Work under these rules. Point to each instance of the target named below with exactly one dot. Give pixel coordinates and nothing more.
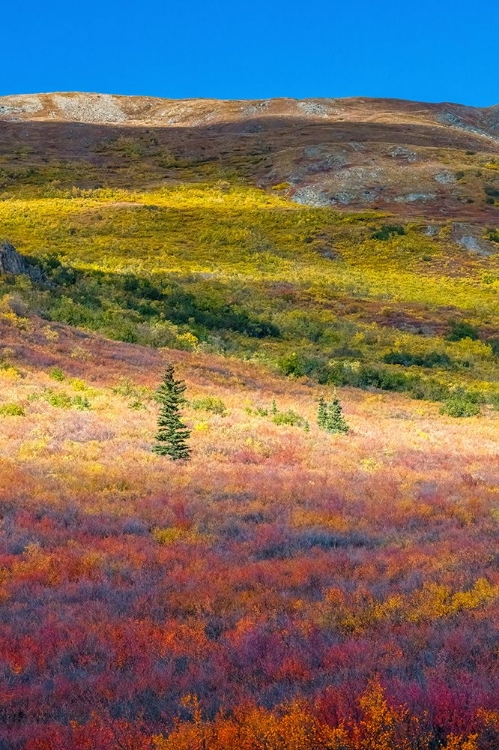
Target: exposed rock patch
(455, 121)
(415, 197)
(431, 230)
(400, 152)
(102, 108)
(311, 196)
(16, 107)
(14, 263)
(471, 238)
(445, 178)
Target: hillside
(286, 589)
(409, 157)
(166, 226)
(279, 565)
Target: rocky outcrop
(13, 262)
(471, 238)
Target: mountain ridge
(69, 106)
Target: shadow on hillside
(68, 140)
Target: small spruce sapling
(172, 435)
(330, 416)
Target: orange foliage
(272, 576)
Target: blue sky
(428, 50)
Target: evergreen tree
(322, 413)
(172, 435)
(330, 416)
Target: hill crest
(111, 108)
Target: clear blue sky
(428, 50)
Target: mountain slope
(286, 588)
(410, 157)
(352, 241)
(280, 564)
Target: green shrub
(63, 400)
(292, 364)
(493, 400)
(137, 405)
(60, 400)
(366, 377)
(11, 410)
(210, 403)
(56, 374)
(388, 231)
(428, 389)
(336, 373)
(81, 403)
(461, 329)
(407, 359)
(386, 380)
(289, 417)
(259, 411)
(493, 235)
(460, 406)
(125, 388)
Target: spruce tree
(172, 435)
(330, 416)
(322, 414)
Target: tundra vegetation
(293, 586)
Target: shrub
(388, 231)
(81, 403)
(210, 403)
(288, 417)
(136, 404)
(56, 374)
(493, 235)
(336, 373)
(292, 364)
(11, 410)
(78, 384)
(460, 406)
(462, 329)
(386, 380)
(493, 400)
(168, 535)
(428, 390)
(60, 400)
(407, 359)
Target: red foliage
(272, 579)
